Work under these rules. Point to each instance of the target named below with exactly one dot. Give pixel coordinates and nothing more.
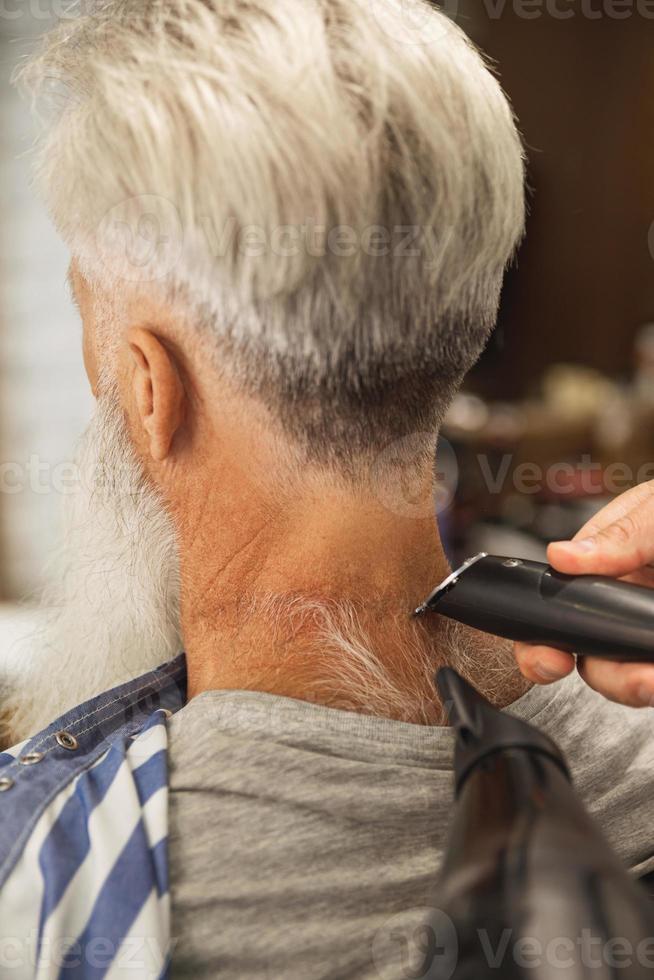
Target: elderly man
(289, 222)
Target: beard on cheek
(111, 611)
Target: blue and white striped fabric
(83, 838)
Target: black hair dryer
(530, 888)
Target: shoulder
(610, 751)
(83, 813)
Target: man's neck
(314, 602)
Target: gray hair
(232, 125)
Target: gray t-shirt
(304, 840)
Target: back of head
(331, 199)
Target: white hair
(111, 611)
(334, 201)
(344, 671)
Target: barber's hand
(618, 541)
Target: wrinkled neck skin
(310, 597)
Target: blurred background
(44, 398)
(559, 414)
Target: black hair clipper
(530, 601)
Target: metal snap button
(67, 741)
(5, 784)
(31, 758)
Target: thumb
(623, 546)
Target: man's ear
(158, 390)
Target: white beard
(112, 610)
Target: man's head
(289, 222)
(313, 201)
